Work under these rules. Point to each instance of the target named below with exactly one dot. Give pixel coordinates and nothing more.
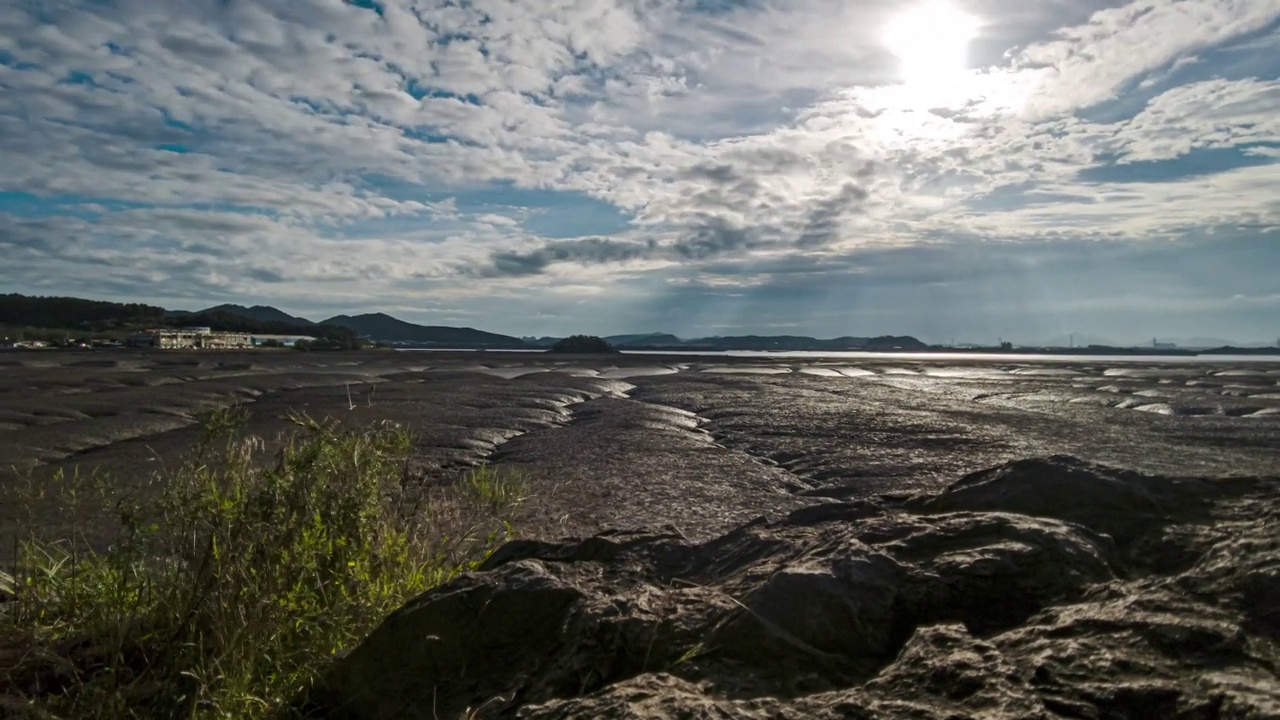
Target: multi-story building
(189, 338)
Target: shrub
(228, 595)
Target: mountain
(261, 313)
(643, 340)
(385, 328)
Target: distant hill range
(765, 343)
(93, 316)
(799, 343)
(383, 327)
(375, 326)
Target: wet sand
(695, 443)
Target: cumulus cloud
(401, 152)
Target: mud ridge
(569, 415)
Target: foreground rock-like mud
(1047, 588)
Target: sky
(951, 169)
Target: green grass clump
(492, 488)
(234, 586)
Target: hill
(75, 313)
(582, 345)
(384, 328)
(261, 313)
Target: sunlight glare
(931, 40)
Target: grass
(236, 583)
(492, 488)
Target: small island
(583, 345)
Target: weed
(493, 488)
(693, 653)
(230, 591)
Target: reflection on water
(929, 356)
(954, 356)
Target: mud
(1045, 588)
(690, 445)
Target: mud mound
(1121, 503)
(1013, 594)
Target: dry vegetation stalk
(237, 581)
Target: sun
(931, 41)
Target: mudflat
(697, 445)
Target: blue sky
(953, 169)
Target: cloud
(1208, 114)
(586, 250)
(405, 153)
(1092, 62)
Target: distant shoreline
(1066, 355)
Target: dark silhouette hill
(261, 313)
(384, 328)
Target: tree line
(68, 313)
